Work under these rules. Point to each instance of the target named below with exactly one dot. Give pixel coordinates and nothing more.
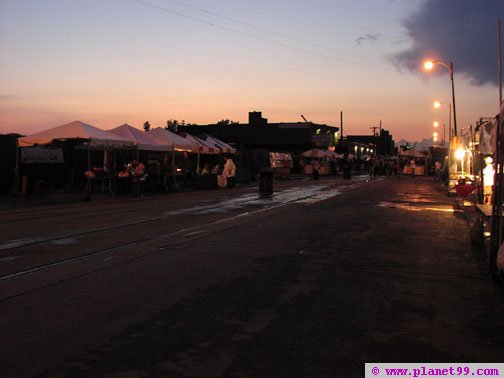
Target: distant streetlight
(437, 105)
(435, 124)
(429, 65)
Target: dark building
(255, 140)
(278, 137)
(8, 151)
(383, 142)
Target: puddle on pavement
(305, 194)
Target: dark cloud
(463, 32)
(367, 37)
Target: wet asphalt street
(312, 282)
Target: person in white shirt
(229, 172)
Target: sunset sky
(107, 62)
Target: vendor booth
(150, 161)
(78, 136)
(217, 143)
(413, 162)
(323, 157)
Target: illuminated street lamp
(437, 105)
(459, 153)
(429, 65)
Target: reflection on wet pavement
(417, 207)
(301, 194)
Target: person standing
(412, 167)
(437, 168)
(376, 166)
(229, 172)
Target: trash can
(266, 182)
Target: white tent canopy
(412, 153)
(143, 140)
(164, 136)
(334, 154)
(214, 142)
(198, 144)
(315, 153)
(76, 130)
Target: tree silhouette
(172, 125)
(226, 122)
(146, 126)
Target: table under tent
(419, 159)
(68, 151)
(152, 165)
(323, 157)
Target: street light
(429, 65)
(437, 104)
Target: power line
(261, 38)
(269, 31)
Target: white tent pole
(173, 162)
(89, 157)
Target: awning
(143, 140)
(76, 130)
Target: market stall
(207, 158)
(90, 139)
(180, 149)
(135, 172)
(217, 143)
(414, 162)
(281, 164)
(316, 154)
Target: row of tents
(158, 139)
(317, 153)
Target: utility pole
(374, 129)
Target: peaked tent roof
(198, 144)
(315, 153)
(412, 153)
(75, 130)
(143, 140)
(164, 136)
(213, 141)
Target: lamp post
(429, 65)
